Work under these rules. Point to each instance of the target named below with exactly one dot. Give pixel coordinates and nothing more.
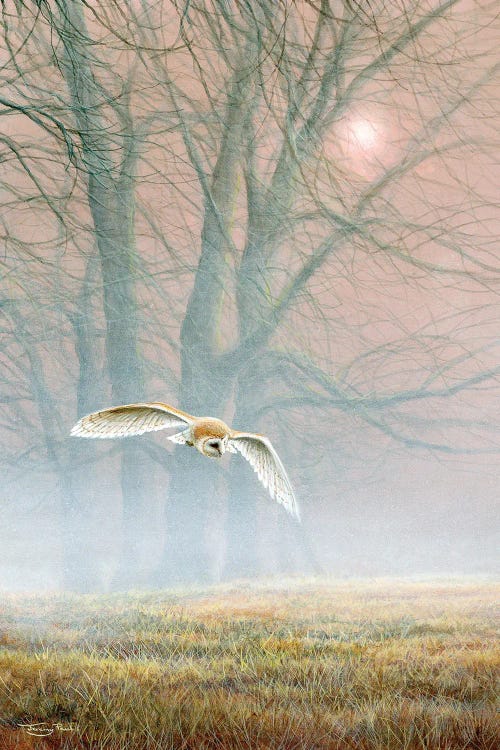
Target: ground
(294, 665)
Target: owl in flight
(210, 436)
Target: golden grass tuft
(301, 665)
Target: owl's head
(214, 447)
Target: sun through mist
(364, 134)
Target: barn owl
(210, 436)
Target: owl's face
(214, 447)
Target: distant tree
(101, 159)
(275, 93)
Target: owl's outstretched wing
(264, 460)
(130, 419)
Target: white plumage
(212, 437)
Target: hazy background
(283, 214)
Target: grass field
(296, 665)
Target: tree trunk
(195, 492)
(82, 482)
(241, 558)
(110, 193)
(206, 381)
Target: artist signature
(44, 728)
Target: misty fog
(275, 215)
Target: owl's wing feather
(264, 460)
(180, 438)
(130, 419)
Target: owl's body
(211, 437)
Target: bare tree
(276, 90)
(102, 163)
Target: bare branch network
(280, 213)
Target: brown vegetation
(296, 665)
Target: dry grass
(303, 665)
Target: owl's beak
(217, 445)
